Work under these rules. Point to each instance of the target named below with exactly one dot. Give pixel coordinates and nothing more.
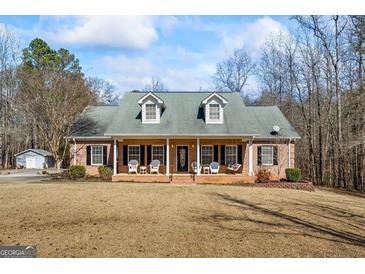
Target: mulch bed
(301, 185)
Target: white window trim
(92, 158)
(225, 155)
(201, 156)
(150, 119)
(272, 156)
(219, 112)
(139, 153)
(163, 153)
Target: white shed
(34, 158)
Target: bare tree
(155, 85)
(103, 90)
(329, 31)
(9, 57)
(232, 73)
(318, 82)
(54, 107)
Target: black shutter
(88, 155)
(239, 154)
(275, 148)
(125, 155)
(149, 154)
(105, 155)
(215, 153)
(141, 155)
(164, 153)
(259, 162)
(223, 154)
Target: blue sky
(129, 50)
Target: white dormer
(152, 106)
(213, 108)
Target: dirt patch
(159, 220)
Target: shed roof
(37, 151)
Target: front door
(182, 155)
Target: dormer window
(213, 108)
(151, 112)
(151, 108)
(214, 111)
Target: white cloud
(2, 27)
(129, 73)
(135, 32)
(251, 36)
(182, 69)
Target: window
(267, 155)
(150, 112)
(207, 155)
(133, 153)
(214, 112)
(231, 155)
(158, 153)
(96, 155)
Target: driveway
(23, 175)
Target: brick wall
(277, 171)
(81, 155)
(192, 155)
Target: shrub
(263, 176)
(77, 171)
(105, 172)
(293, 174)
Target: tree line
(42, 91)
(314, 73)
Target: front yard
(158, 220)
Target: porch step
(182, 179)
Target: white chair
(133, 166)
(214, 167)
(195, 168)
(155, 166)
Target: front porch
(183, 178)
(178, 156)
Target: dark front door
(182, 153)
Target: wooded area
(314, 74)
(41, 93)
(317, 79)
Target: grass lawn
(158, 220)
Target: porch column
(250, 158)
(167, 156)
(115, 158)
(289, 153)
(198, 154)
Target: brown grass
(157, 220)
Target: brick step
(189, 179)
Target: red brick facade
(278, 171)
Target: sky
(128, 50)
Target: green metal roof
(184, 117)
(94, 121)
(268, 116)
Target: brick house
(185, 132)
